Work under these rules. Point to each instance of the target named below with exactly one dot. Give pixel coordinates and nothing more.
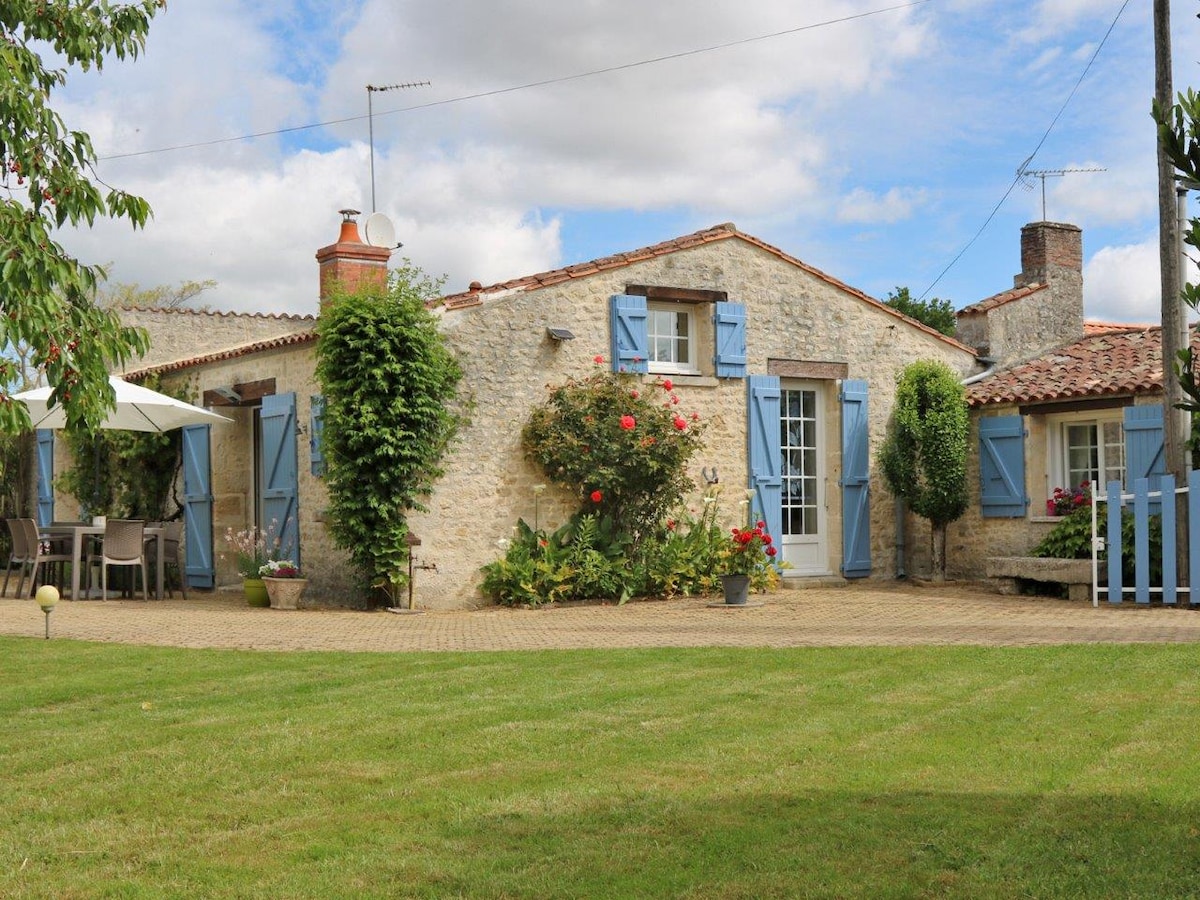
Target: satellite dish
(379, 231)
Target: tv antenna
(1025, 174)
(373, 89)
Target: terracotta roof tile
(1000, 299)
(188, 311)
(1107, 363)
(286, 340)
(721, 232)
(1093, 327)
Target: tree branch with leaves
(48, 181)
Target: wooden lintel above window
(679, 295)
(807, 368)
(1070, 406)
(249, 393)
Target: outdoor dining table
(80, 532)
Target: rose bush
(621, 451)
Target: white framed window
(671, 338)
(1086, 447)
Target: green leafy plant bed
(618, 446)
(1071, 538)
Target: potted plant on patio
(745, 560)
(284, 583)
(252, 548)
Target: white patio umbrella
(138, 409)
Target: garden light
(47, 599)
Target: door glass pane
(799, 434)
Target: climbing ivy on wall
(127, 474)
(389, 383)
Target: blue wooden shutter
(1143, 444)
(198, 506)
(45, 476)
(1002, 467)
(281, 489)
(630, 346)
(316, 433)
(729, 325)
(764, 452)
(855, 482)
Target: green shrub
(390, 384)
(588, 558)
(620, 446)
(1072, 539)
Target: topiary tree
(388, 379)
(924, 456)
(621, 446)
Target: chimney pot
(351, 262)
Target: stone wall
(233, 462)
(180, 334)
(792, 315)
(973, 538)
(1021, 324)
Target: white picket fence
(1153, 501)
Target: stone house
(1064, 401)
(792, 370)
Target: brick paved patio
(863, 614)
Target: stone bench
(1076, 574)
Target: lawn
(905, 772)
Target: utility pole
(1174, 320)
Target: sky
(872, 139)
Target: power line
(1022, 169)
(528, 85)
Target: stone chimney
(1043, 310)
(1051, 252)
(350, 262)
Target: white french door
(803, 543)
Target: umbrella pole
(95, 474)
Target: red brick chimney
(350, 262)
(1047, 247)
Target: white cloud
(804, 134)
(868, 208)
(1121, 284)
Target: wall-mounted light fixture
(560, 334)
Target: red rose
(667, 384)
(597, 496)
(680, 424)
(633, 394)
(767, 539)
(628, 423)
(770, 551)
(598, 360)
(760, 524)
